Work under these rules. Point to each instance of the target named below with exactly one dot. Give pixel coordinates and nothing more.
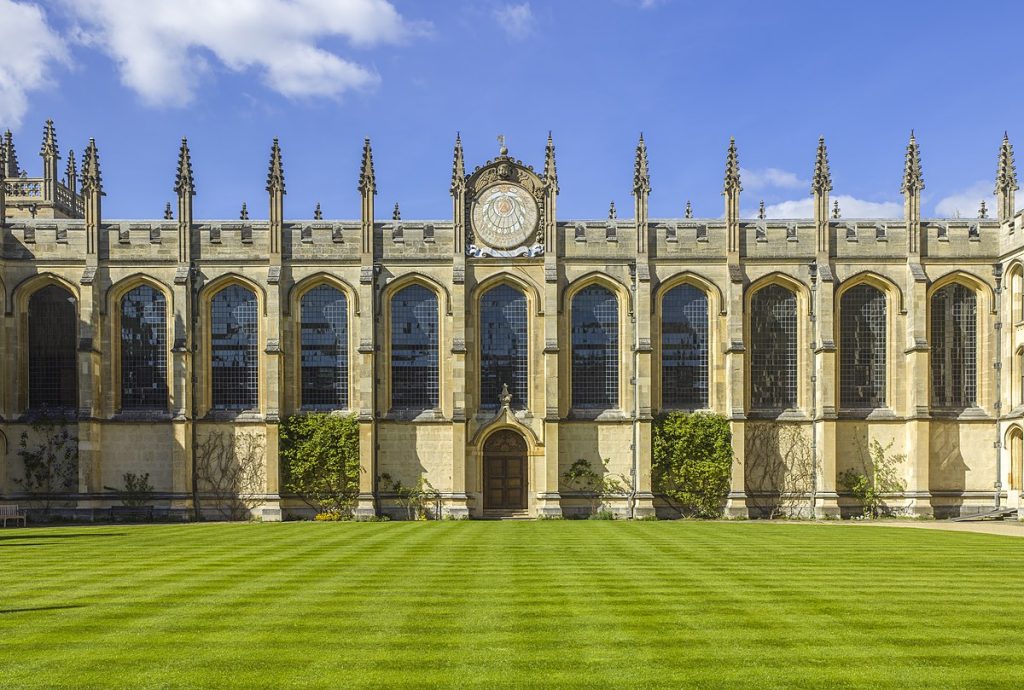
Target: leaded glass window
(503, 346)
(862, 348)
(773, 349)
(954, 347)
(684, 348)
(234, 353)
(52, 327)
(324, 336)
(595, 348)
(144, 349)
(414, 349)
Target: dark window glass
(234, 356)
(144, 349)
(324, 333)
(862, 348)
(595, 348)
(503, 346)
(684, 348)
(773, 343)
(954, 347)
(52, 326)
(414, 356)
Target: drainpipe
(813, 267)
(997, 366)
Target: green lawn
(554, 603)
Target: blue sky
(322, 74)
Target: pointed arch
(775, 334)
(525, 284)
(877, 281)
(398, 283)
(141, 308)
(622, 291)
(232, 307)
(683, 337)
(1014, 441)
(415, 332)
(503, 335)
(306, 284)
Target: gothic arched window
(324, 348)
(234, 351)
(684, 348)
(595, 348)
(414, 349)
(52, 352)
(862, 348)
(954, 347)
(144, 349)
(503, 346)
(773, 349)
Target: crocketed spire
(732, 170)
(49, 148)
(641, 172)
(550, 170)
(367, 180)
(10, 156)
(71, 171)
(913, 181)
(1006, 172)
(275, 173)
(458, 166)
(91, 178)
(822, 180)
(184, 183)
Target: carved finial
(397, 213)
(913, 181)
(367, 180)
(611, 211)
(732, 170)
(550, 171)
(1006, 172)
(91, 178)
(49, 148)
(11, 155)
(505, 397)
(184, 183)
(317, 214)
(502, 149)
(688, 213)
(822, 180)
(275, 174)
(760, 210)
(983, 210)
(168, 215)
(835, 208)
(244, 213)
(641, 173)
(458, 166)
(71, 171)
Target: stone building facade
(489, 351)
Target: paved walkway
(1009, 528)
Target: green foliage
(320, 460)
(51, 462)
(331, 516)
(597, 485)
(421, 500)
(692, 460)
(879, 478)
(137, 488)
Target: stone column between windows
(735, 368)
(90, 446)
(549, 502)
(457, 499)
(827, 499)
(917, 440)
(183, 407)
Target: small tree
(230, 468)
(879, 478)
(597, 485)
(50, 461)
(691, 461)
(136, 491)
(320, 460)
(418, 499)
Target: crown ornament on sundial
(502, 148)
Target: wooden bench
(11, 513)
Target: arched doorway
(505, 471)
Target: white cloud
(29, 49)
(515, 20)
(163, 47)
(965, 203)
(771, 178)
(849, 206)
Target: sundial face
(504, 215)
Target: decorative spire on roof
(983, 210)
(458, 166)
(760, 210)
(732, 170)
(688, 213)
(184, 183)
(835, 208)
(397, 213)
(71, 171)
(12, 169)
(641, 173)
(317, 213)
(913, 181)
(550, 171)
(1006, 172)
(91, 178)
(611, 211)
(244, 213)
(367, 180)
(822, 180)
(168, 215)
(275, 174)
(49, 141)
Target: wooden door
(505, 471)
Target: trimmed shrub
(320, 460)
(691, 461)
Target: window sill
(866, 413)
(598, 415)
(141, 416)
(965, 413)
(233, 416)
(434, 415)
(791, 415)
